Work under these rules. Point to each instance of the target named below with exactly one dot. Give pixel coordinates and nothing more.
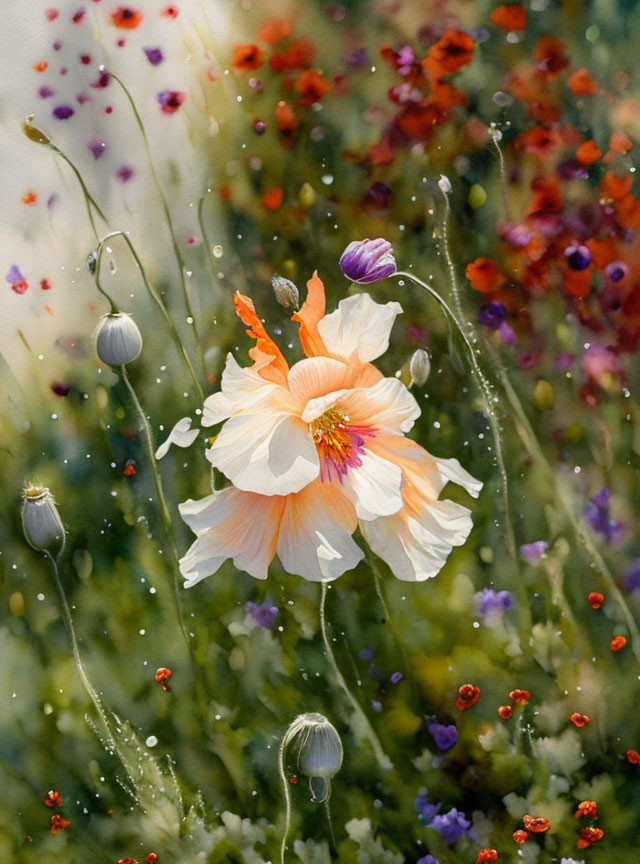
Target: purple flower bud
(533, 552)
(492, 315)
(450, 826)
(616, 271)
(357, 59)
(507, 334)
(578, 257)
(367, 260)
(493, 604)
(596, 514)
(62, 112)
(396, 678)
(425, 811)
(444, 736)
(154, 55)
(264, 614)
(427, 859)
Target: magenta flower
(170, 100)
(367, 260)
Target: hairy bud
(286, 292)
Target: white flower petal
(387, 405)
(359, 329)
(374, 487)
(451, 469)
(182, 435)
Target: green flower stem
(155, 296)
(495, 137)
(489, 398)
(367, 729)
(287, 797)
(167, 214)
(207, 244)
(162, 501)
(89, 201)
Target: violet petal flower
(424, 809)
(492, 315)
(263, 614)
(427, 859)
(367, 260)
(154, 55)
(596, 514)
(533, 552)
(444, 736)
(492, 603)
(450, 826)
(631, 579)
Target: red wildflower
(588, 153)
(273, 30)
(596, 599)
(58, 823)
(582, 84)
(170, 11)
(589, 836)
(633, 757)
(580, 720)
(536, 824)
(615, 187)
(587, 808)
(52, 799)
(151, 858)
(550, 57)
(247, 57)
(505, 711)
(520, 697)
(577, 283)
(40, 67)
(453, 51)
(444, 95)
(546, 197)
(311, 86)
(286, 120)
(129, 469)
(487, 856)
(539, 141)
(620, 143)
(510, 17)
(126, 18)
(273, 198)
(484, 275)
(417, 122)
(30, 198)
(617, 643)
(161, 676)
(127, 861)
(520, 836)
(299, 55)
(467, 697)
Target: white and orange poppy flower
(315, 450)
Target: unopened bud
(307, 195)
(319, 752)
(286, 292)
(41, 521)
(92, 262)
(543, 396)
(444, 184)
(32, 132)
(118, 340)
(419, 367)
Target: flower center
(339, 445)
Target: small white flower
(182, 435)
(444, 184)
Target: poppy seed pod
(319, 752)
(419, 367)
(118, 340)
(41, 521)
(286, 292)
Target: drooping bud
(41, 521)
(319, 751)
(367, 260)
(419, 367)
(32, 132)
(92, 262)
(286, 292)
(118, 340)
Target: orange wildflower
(273, 198)
(487, 856)
(596, 599)
(505, 711)
(550, 57)
(587, 808)
(161, 676)
(40, 67)
(467, 697)
(311, 86)
(536, 824)
(453, 51)
(580, 720)
(52, 799)
(617, 643)
(628, 212)
(588, 836)
(273, 30)
(588, 153)
(512, 17)
(151, 858)
(539, 141)
(582, 84)
(126, 18)
(520, 836)
(484, 275)
(246, 57)
(614, 186)
(520, 697)
(633, 757)
(620, 143)
(58, 823)
(546, 196)
(30, 198)
(299, 55)
(577, 283)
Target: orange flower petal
(247, 57)
(620, 143)
(582, 84)
(308, 316)
(614, 186)
(588, 153)
(273, 30)
(265, 354)
(510, 17)
(273, 198)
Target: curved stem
(205, 238)
(367, 729)
(88, 199)
(155, 296)
(503, 173)
(167, 214)
(287, 797)
(162, 502)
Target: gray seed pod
(286, 292)
(419, 367)
(319, 752)
(118, 340)
(41, 521)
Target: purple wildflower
(578, 257)
(427, 859)
(493, 604)
(396, 678)
(405, 60)
(507, 334)
(368, 260)
(366, 653)
(616, 271)
(170, 100)
(154, 55)
(444, 736)
(46, 92)
(97, 147)
(62, 112)
(124, 173)
(376, 705)
(357, 59)
(515, 235)
(631, 579)
(264, 614)
(426, 812)
(450, 826)
(533, 552)
(596, 514)
(492, 315)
